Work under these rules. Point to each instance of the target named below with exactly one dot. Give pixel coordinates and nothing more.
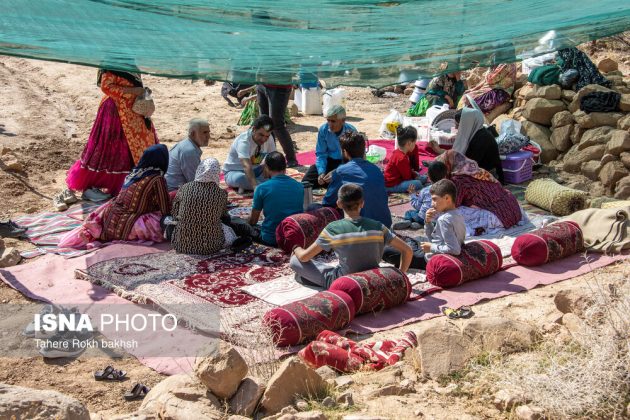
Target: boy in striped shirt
(357, 241)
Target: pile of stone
(590, 152)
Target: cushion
(375, 290)
(555, 241)
(478, 259)
(558, 199)
(303, 229)
(301, 321)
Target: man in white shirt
(243, 167)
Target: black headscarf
(154, 161)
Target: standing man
(328, 149)
(273, 101)
(185, 156)
(243, 167)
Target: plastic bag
(510, 139)
(390, 124)
(376, 154)
(334, 97)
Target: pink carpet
(507, 282)
(51, 279)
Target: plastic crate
(517, 167)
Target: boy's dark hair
(437, 171)
(406, 135)
(444, 187)
(263, 121)
(353, 143)
(275, 161)
(350, 196)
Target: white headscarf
(470, 122)
(208, 171)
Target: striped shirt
(358, 244)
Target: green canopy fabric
(351, 42)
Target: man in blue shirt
(185, 156)
(328, 150)
(361, 172)
(279, 197)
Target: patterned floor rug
(196, 288)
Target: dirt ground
(46, 113)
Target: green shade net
(351, 42)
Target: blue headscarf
(154, 161)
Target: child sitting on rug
(421, 201)
(357, 241)
(401, 173)
(280, 197)
(444, 227)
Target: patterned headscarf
(154, 161)
(469, 124)
(208, 171)
(458, 164)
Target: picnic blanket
(46, 229)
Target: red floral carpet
(194, 288)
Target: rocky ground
(46, 113)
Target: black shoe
(292, 164)
(11, 230)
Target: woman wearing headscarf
(135, 213)
(475, 141)
(574, 59)
(118, 138)
(477, 188)
(444, 89)
(197, 210)
(497, 85)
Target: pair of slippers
(463, 312)
(139, 390)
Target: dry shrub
(255, 346)
(585, 375)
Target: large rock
(577, 133)
(597, 119)
(442, 349)
(624, 103)
(568, 95)
(561, 119)
(625, 159)
(498, 110)
(9, 257)
(612, 172)
(572, 301)
(561, 138)
(622, 188)
(181, 397)
(574, 157)
(541, 135)
(541, 110)
(624, 123)
(17, 402)
(222, 370)
(291, 379)
(619, 142)
(496, 333)
(545, 92)
(599, 135)
(11, 163)
(608, 158)
(607, 64)
(246, 399)
(591, 169)
(575, 104)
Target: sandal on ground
(68, 197)
(59, 204)
(110, 374)
(138, 392)
(463, 312)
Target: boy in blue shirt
(279, 197)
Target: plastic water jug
(297, 99)
(311, 101)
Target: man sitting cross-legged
(357, 241)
